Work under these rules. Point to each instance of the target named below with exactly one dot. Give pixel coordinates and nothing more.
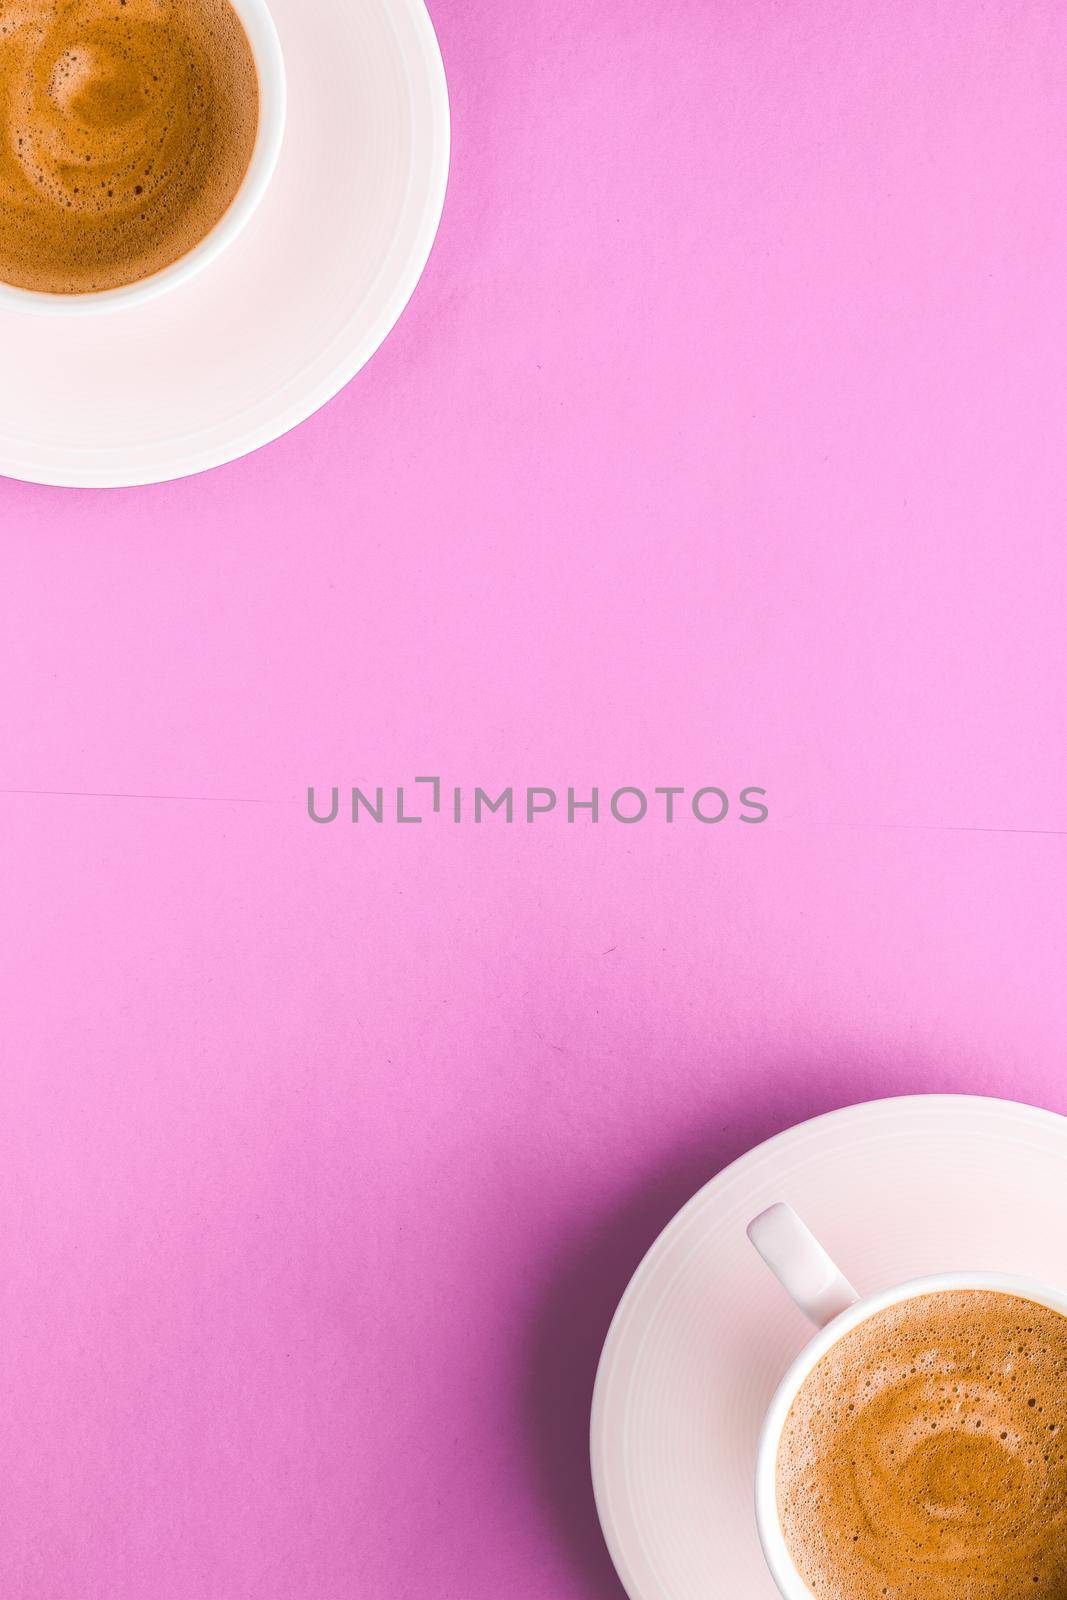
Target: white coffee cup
(270, 68)
(821, 1291)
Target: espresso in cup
(127, 128)
(925, 1456)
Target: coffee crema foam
(925, 1456)
(126, 129)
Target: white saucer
(895, 1189)
(297, 304)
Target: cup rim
(256, 19)
(772, 1540)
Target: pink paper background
(722, 443)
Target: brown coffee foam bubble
(126, 129)
(925, 1457)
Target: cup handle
(800, 1264)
